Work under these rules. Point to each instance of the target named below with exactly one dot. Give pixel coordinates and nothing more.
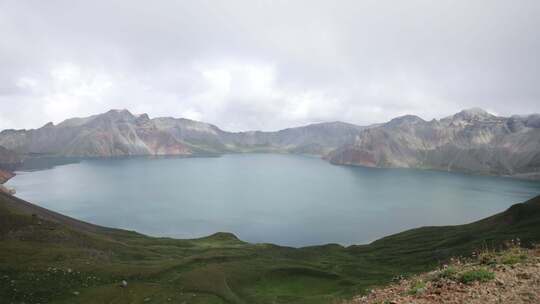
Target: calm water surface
(283, 199)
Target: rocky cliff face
(9, 161)
(469, 141)
(4, 177)
(316, 139)
(120, 133)
(109, 134)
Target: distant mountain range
(120, 133)
(469, 141)
(472, 141)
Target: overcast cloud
(267, 64)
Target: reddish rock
(5, 176)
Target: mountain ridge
(119, 133)
(470, 141)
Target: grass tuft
(480, 275)
(514, 256)
(418, 287)
(449, 273)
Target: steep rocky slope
(5, 176)
(9, 161)
(120, 133)
(114, 133)
(469, 141)
(317, 139)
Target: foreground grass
(48, 258)
(483, 278)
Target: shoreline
(33, 163)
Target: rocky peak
(144, 116)
(473, 114)
(335, 125)
(119, 113)
(118, 116)
(142, 119)
(405, 120)
(470, 117)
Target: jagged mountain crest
(405, 120)
(473, 114)
(119, 132)
(472, 140)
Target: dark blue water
(283, 199)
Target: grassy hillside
(49, 258)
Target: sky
(267, 65)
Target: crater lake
(265, 198)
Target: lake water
(283, 199)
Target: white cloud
(267, 65)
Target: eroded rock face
(5, 176)
(470, 141)
(9, 161)
(120, 133)
(115, 133)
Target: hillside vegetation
(49, 258)
(508, 276)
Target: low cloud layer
(267, 64)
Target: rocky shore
(5, 176)
(9, 162)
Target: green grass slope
(46, 257)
